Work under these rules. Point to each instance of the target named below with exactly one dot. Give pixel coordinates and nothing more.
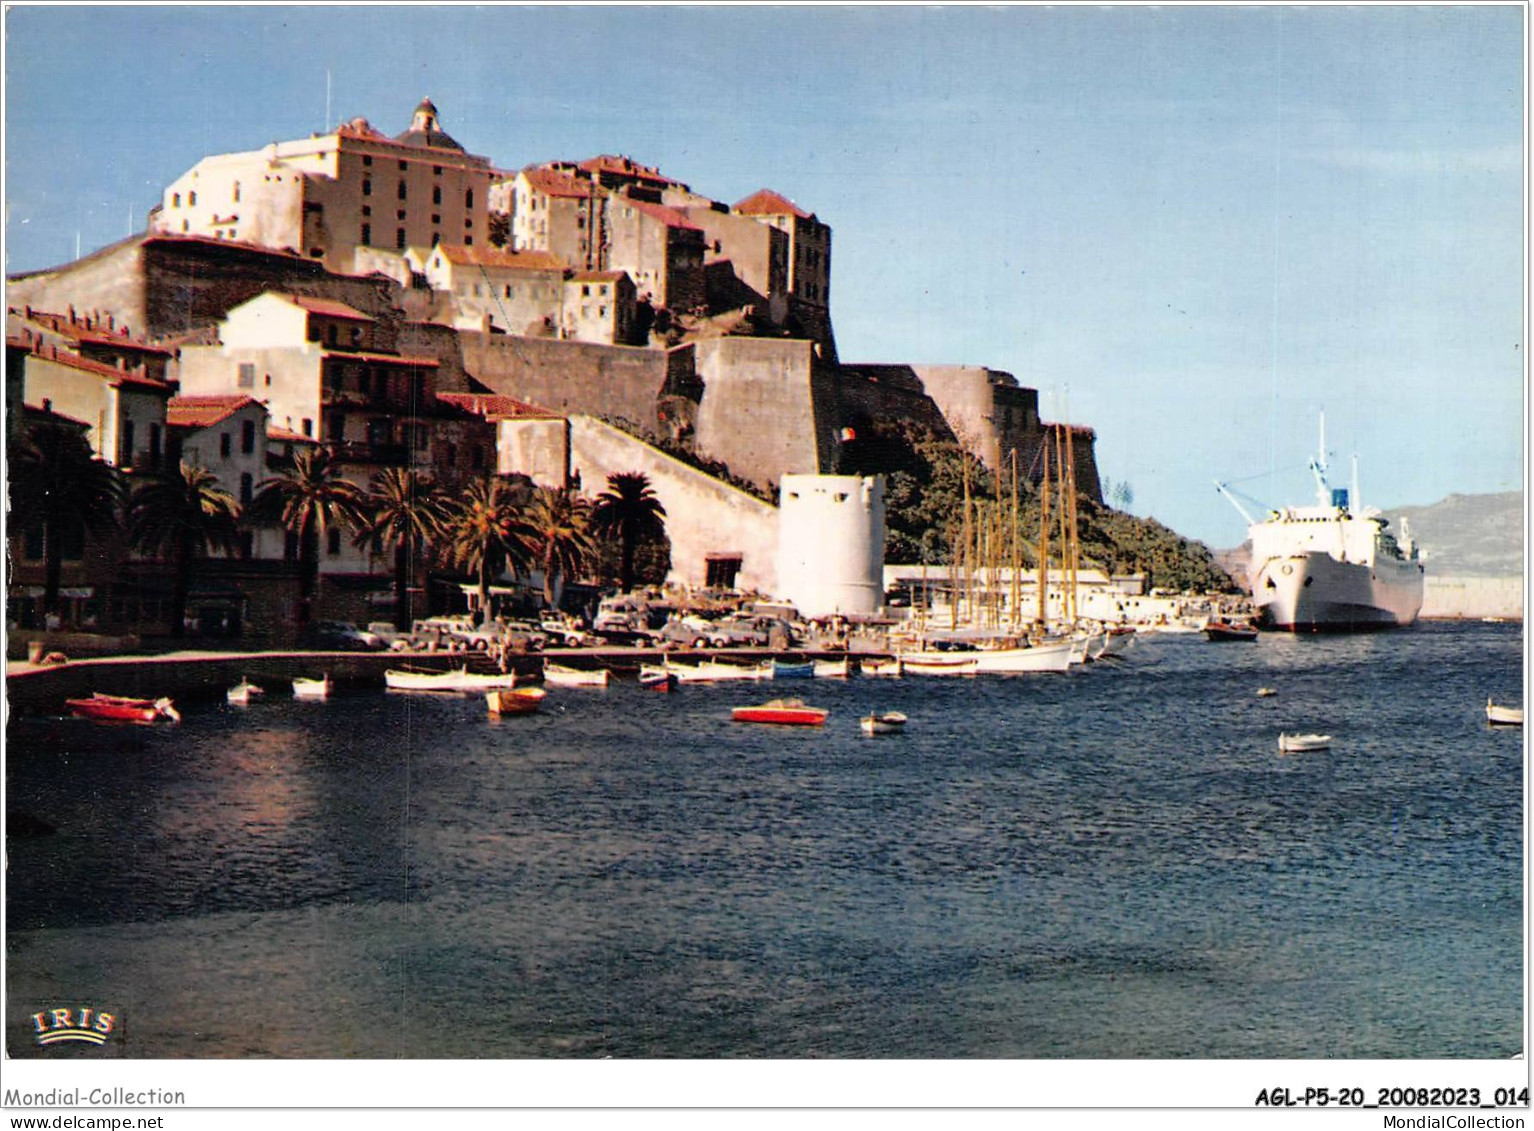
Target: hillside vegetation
(925, 514)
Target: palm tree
(559, 536)
(308, 500)
(484, 530)
(630, 510)
(58, 483)
(183, 514)
(403, 510)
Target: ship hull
(1314, 592)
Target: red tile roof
(384, 358)
(53, 416)
(284, 435)
(90, 328)
(598, 276)
(765, 202)
(500, 258)
(203, 412)
(117, 376)
(627, 166)
(494, 406)
(330, 308)
(553, 183)
(671, 217)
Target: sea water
(1114, 862)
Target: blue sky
(1191, 228)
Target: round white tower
(831, 543)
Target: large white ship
(1329, 568)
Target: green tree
(559, 538)
(485, 532)
(403, 510)
(58, 484)
(308, 500)
(182, 514)
(629, 511)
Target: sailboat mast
(1043, 614)
(1070, 471)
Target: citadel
(403, 302)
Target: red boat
(783, 712)
(1230, 630)
(121, 709)
(656, 678)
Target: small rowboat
(460, 679)
(833, 669)
(656, 679)
(1499, 716)
(887, 667)
(1266, 692)
(782, 712)
(515, 700)
(557, 675)
(241, 693)
(710, 671)
(122, 709)
(781, 670)
(1300, 743)
(1225, 630)
(940, 663)
(312, 688)
(887, 723)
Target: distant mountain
(1467, 535)
(1460, 536)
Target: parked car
(686, 632)
(748, 632)
(339, 636)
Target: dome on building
(425, 131)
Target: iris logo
(81, 1024)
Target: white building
(327, 195)
(831, 544)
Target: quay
(43, 688)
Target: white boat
(1052, 656)
(833, 669)
(1300, 743)
(460, 679)
(1266, 692)
(889, 667)
(885, 723)
(710, 671)
(557, 675)
(1331, 567)
(241, 693)
(1116, 642)
(312, 688)
(1499, 716)
(657, 678)
(514, 701)
(939, 663)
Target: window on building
(191, 199)
(247, 488)
(248, 436)
(468, 198)
(404, 193)
(401, 166)
(367, 209)
(436, 170)
(330, 334)
(333, 541)
(367, 234)
(510, 293)
(236, 192)
(175, 200)
(585, 290)
(468, 241)
(185, 227)
(307, 427)
(337, 423)
(247, 375)
(367, 187)
(436, 218)
(225, 445)
(436, 194)
(366, 160)
(399, 239)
